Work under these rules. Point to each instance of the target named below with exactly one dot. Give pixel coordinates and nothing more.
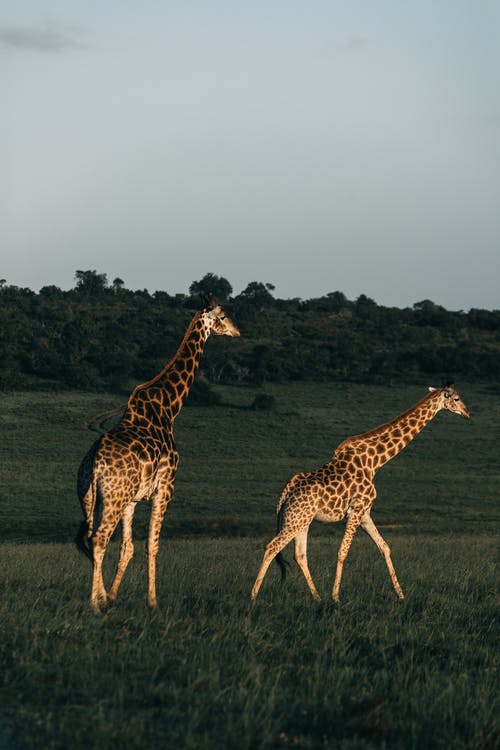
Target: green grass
(234, 461)
(207, 670)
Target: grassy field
(234, 460)
(207, 670)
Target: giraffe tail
(87, 492)
(280, 558)
(284, 564)
(82, 540)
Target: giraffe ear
(432, 389)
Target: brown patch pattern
(344, 487)
(137, 460)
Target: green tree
(91, 282)
(212, 284)
(258, 293)
(118, 285)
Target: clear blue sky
(314, 145)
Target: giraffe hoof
(101, 603)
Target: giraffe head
(451, 400)
(216, 318)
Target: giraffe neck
(161, 399)
(391, 438)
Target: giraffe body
(137, 460)
(344, 487)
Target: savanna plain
(209, 670)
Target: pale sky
(318, 146)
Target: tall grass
(208, 670)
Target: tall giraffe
(344, 486)
(137, 459)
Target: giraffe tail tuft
(284, 564)
(88, 494)
(82, 540)
(280, 559)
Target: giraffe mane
(157, 377)
(382, 427)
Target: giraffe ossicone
(137, 459)
(344, 487)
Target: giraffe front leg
(373, 532)
(353, 522)
(159, 502)
(126, 550)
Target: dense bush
(99, 336)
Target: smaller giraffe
(344, 487)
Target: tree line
(101, 335)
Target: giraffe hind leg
(126, 550)
(272, 550)
(100, 540)
(300, 556)
(98, 596)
